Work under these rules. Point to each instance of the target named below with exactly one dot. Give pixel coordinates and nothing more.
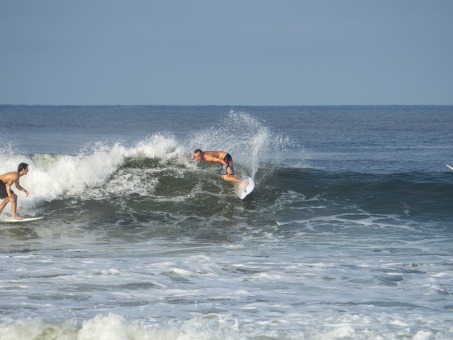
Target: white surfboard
(450, 167)
(8, 219)
(243, 192)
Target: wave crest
(52, 175)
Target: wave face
(140, 242)
(157, 171)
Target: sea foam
(52, 176)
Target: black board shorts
(3, 192)
(229, 161)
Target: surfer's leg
(4, 203)
(230, 177)
(14, 206)
(233, 178)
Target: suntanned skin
(9, 179)
(212, 157)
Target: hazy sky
(232, 52)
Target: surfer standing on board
(6, 181)
(222, 157)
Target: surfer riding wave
(6, 181)
(222, 157)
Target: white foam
(208, 326)
(53, 176)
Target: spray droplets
(248, 139)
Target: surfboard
(8, 219)
(243, 192)
(450, 167)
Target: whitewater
(347, 235)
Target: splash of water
(247, 139)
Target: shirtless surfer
(222, 157)
(6, 181)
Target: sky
(226, 52)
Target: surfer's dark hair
(197, 151)
(22, 166)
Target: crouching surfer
(6, 181)
(222, 157)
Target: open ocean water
(348, 234)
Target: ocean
(347, 235)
